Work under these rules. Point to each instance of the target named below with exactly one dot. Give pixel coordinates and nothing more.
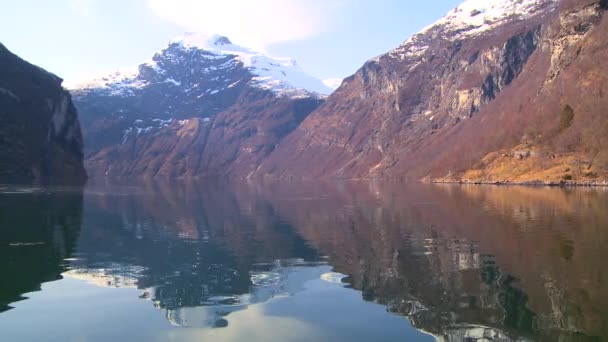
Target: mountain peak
(221, 40)
(281, 75)
(204, 42)
(473, 17)
(470, 19)
(173, 64)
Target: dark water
(303, 262)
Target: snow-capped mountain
(215, 55)
(480, 86)
(195, 83)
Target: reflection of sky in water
(300, 307)
(280, 279)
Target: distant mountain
(202, 106)
(40, 139)
(496, 90)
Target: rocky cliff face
(40, 139)
(202, 107)
(487, 77)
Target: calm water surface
(303, 262)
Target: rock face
(202, 107)
(40, 138)
(488, 77)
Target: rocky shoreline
(562, 183)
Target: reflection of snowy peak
(113, 275)
(189, 61)
(282, 278)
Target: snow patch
(171, 80)
(140, 127)
(120, 82)
(162, 123)
(476, 16)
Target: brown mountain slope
(551, 125)
(233, 142)
(448, 98)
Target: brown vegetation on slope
(550, 125)
(463, 104)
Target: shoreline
(561, 184)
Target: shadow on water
(460, 262)
(38, 230)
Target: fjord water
(350, 261)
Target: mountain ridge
(479, 96)
(281, 75)
(404, 114)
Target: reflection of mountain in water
(198, 252)
(38, 230)
(479, 262)
(280, 279)
(463, 263)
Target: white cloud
(82, 7)
(333, 83)
(255, 23)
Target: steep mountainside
(202, 107)
(496, 90)
(40, 139)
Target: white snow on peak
(281, 75)
(212, 43)
(119, 82)
(474, 17)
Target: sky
(330, 39)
